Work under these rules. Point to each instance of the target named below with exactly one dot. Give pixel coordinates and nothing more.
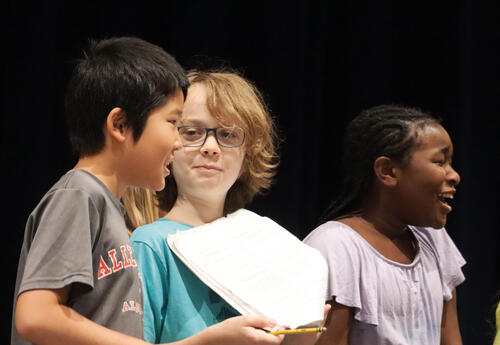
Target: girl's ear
(385, 171)
(116, 124)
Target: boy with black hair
(78, 281)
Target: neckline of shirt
(378, 254)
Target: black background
(317, 63)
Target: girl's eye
(440, 160)
(174, 122)
(192, 132)
(228, 134)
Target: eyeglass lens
(226, 136)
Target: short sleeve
(449, 259)
(60, 248)
(155, 287)
(347, 277)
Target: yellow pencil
(299, 330)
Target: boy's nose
(177, 141)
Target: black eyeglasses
(195, 136)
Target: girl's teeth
(446, 196)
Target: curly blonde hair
(231, 100)
(234, 100)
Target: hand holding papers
(257, 266)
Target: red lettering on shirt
(132, 256)
(126, 261)
(125, 307)
(104, 270)
(117, 265)
(132, 306)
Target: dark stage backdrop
(317, 63)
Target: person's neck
(196, 211)
(384, 221)
(379, 213)
(102, 168)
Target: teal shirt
(176, 303)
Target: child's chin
(436, 223)
(158, 186)
(439, 224)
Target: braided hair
(385, 130)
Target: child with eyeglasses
(228, 156)
(78, 281)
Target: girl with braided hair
(393, 267)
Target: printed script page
(258, 267)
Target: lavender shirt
(393, 303)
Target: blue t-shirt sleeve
(155, 288)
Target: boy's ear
(385, 171)
(116, 124)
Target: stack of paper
(257, 266)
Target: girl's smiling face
(427, 181)
(209, 170)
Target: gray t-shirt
(393, 303)
(77, 236)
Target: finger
(260, 322)
(328, 307)
(271, 338)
